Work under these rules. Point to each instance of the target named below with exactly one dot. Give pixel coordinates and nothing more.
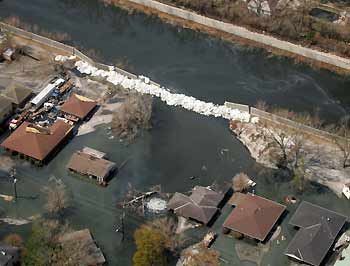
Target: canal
(180, 142)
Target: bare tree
(240, 182)
(286, 149)
(343, 142)
(167, 227)
(57, 199)
(134, 114)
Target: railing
(284, 121)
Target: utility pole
(13, 176)
(122, 223)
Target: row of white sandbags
(143, 86)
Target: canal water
(181, 144)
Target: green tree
(42, 247)
(150, 247)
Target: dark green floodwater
(181, 142)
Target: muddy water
(181, 142)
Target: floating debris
(290, 199)
(156, 205)
(13, 221)
(209, 238)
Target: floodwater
(181, 142)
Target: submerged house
(18, 94)
(6, 109)
(201, 206)
(253, 216)
(35, 142)
(84, 239)
(318, 230)
(92, 163)
(78, 107)
(9, 256)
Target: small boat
(209, 238)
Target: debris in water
(223, 151)
(12, 221)
(156, 205)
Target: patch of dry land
(35, 67)
(318, 159)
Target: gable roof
(18, 93)
(35, 143)
(254, 216)
(319, 228)
(78, 106)
(90, 165)
(200, 206)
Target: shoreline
(321, 159)
(226, 36)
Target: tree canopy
(150, 247)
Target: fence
(241, 107)
(284, 121)
(327, 58)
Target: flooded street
(181, 144)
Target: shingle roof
(37, 145)
(254, 216)
(18, 93)
(90, 165)
(319, 228)
(78, 106)
(200, 206)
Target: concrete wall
(292, 124)
(327, 58)
(241, 107)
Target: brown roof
(37, 145)
(78, 106)
(200, 206)
(84, 237)
(237, 198)
(90, 165)
(254, 216)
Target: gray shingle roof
(200, 206)
(319, 228)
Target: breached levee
(144, 86)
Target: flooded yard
(181, 144)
